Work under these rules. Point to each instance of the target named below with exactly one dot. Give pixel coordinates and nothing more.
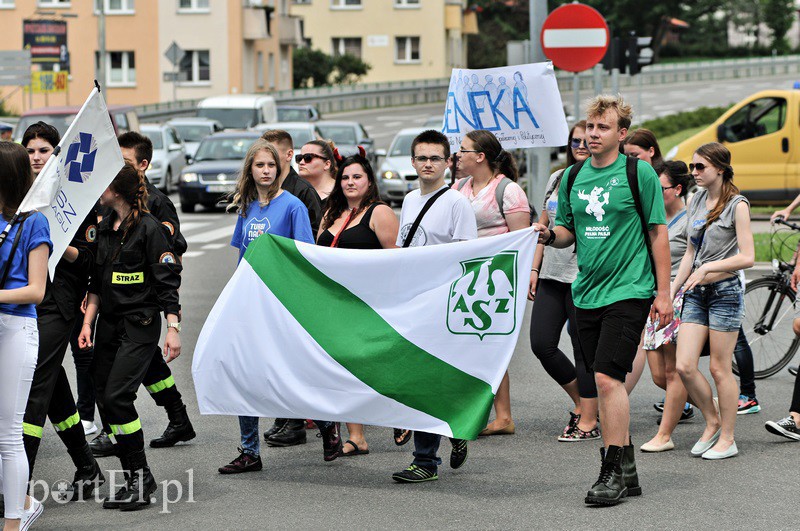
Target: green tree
(778, 16)
(348, 69)
(311, 68)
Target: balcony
(254, 25)
(290, 31)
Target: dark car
(298, 113)
(215, 169)
(123, 117)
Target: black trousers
(159, 382)
(123, 352)
(83, 373)
(51, 395)
(796, 395)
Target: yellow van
(762, 132)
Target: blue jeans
(425, 447)
(248, 428)
(718, 306)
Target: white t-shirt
(449, 219)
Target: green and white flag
(415, 338)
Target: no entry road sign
(575, 37)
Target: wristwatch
(551, 239)
(176, 326)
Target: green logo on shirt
(483, 299)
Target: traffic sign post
(575, 37)
(174, 55)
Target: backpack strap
(632, 173)
(498, 194)
(415, 225)
(462, 182)
(14, 245)
(573, 174)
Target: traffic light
(639, 53)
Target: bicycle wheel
(769, 311)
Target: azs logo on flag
(483, 299)
(79, 162)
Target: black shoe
(102, 446)
(785, 428)
(276, 427)
(458, 455)
(140, 486)
(243, 463)
(415, 474)
(686, 415)
(292, 433)
(629, 474)
(793, 370)
(609, 489)
(659, 406)
(88, 475)
(331, 442)
(178, 430)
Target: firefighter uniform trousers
(51, 395)
(123, 352)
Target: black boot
(629, 475)
(113, 501)
(276, 427)
(179, 428)
(609, 489)
(140, 486)
(331, 441)
(88, 475)
(291, 434)
(102, 446)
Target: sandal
(356, 450)
(403, 435)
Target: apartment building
(231, 46)
(400, 39)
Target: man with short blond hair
(603, 208)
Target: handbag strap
(415, 225)
(7, 266)
(335, 242)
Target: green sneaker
(415, 474)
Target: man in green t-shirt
(614, 289)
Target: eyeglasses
(576, 143)
(424, 160)
(665, 188)
(468, 151)
(699, 166)
(308, 157)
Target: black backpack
(632, 173)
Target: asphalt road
(527, 480)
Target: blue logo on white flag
(81, 154)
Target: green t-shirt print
(613, 264)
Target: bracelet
(87, 324)
(551, 239)
(534, 269)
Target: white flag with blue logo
(71, 182)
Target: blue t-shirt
(284, 216)
(35, 231)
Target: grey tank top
(719, 240)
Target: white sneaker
(30, 515)
(88, 427)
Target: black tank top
(355, 237)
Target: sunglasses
(699, 166)
(308, 157)
(576, 143)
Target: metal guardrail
(392, 94)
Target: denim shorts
(719, 305)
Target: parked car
(239, 111)
(434, 122)
(194, 129)
(762, 133)
(169, 155)
(302, 132)
(348, 136)
(123, 117)
(397, 176)
(298, 113)
(215, 169)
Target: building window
(193, 6)
(260, 69)
(120, 68)
(6, 4)
(407, 3)
(115, 7)
(54, 3)
(195, 66)
(343, 45)
(407, 50)
(346, 4)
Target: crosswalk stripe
(190, 225)
(211, 235)
(212, 246)
(190, 254)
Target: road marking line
(192, 254)
(210, 236)
(189, 225)
(211, 246)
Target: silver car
(193, 130)
(397, 176)
(348, 136)
(169, 155)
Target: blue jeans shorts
(719, 305)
